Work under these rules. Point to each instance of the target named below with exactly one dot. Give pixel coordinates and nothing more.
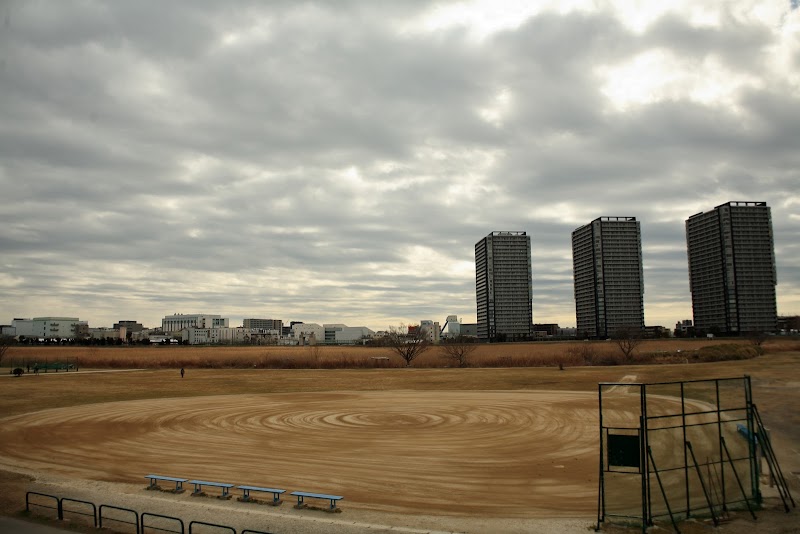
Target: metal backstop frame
(672, 450)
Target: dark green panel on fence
(623, 451)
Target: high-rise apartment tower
(732, 268)
(607, 267)
(503, 286)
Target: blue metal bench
(302, 494)
(198, 487)
(276, 493)
(178, 482)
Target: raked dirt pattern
(495, 453)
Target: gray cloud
(338, 165)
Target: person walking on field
(182, 371)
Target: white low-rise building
(308, 333)
(230, 336)
(48, 327)
(253, 336)
(160, 339)
(179, 321)
(145, 333)
(343, 334)
(201, 336)
(431, 329)
(452, 326)
(105, 333)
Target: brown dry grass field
(538, 354)
(513, 442)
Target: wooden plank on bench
(302, 494)
(198, 487)
(276, 493)
(178, 482)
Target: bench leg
(275, 498)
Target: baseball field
(439, 449)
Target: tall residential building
(503, 286)
(732, 268)
(607, 267)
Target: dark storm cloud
(338, 164)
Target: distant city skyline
(337, 162)
(604, 236)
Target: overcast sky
(337, 162)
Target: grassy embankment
(538, 354)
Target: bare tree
(459, 349)
(5, 345)
(313, 351)
(407, 342)
(628, 338)
(757, 339)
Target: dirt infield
(395, 443)
(477, 453)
